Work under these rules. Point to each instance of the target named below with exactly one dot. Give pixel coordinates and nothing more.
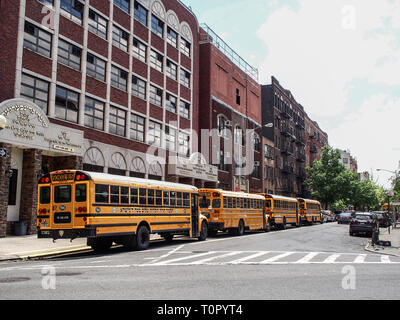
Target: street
(312, 262)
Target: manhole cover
(11, 280)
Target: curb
(369, 249)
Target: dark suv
(363, 222)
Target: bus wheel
(100, 244)
(143, 238)
(240, 229)
(203, 231)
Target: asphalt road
(312, 262)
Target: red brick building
(230, 100)
(94, 84)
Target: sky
(339, 58)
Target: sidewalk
(24, 247)
(384, 235)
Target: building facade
(280, 108)
(348, 160)
(100, 85)
(230, 114)
(316, 139)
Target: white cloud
(315, 52)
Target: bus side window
(234, 203)
(80, 192)
(101, 193)
(229, 202)
(179, 199)
(124, 195)
(186, 199)
(114, 194)
(150, 197)
(134, 196)
(172, 198)
(166, 198)
(158, 197)
(225, 202)
(142, 196)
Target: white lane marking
(332, 258)
(252, 256)
(385, 259)
(214, 258)
(275, 258)
(183, 258)
(167, 254)
(307, 258)
(360, 258)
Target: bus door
(195, 215)
(264, 213)
(62, 209)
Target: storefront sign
(193, 168)
(28, 126)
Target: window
(171, 70)
(67, 105)
(186, 199)
(221, 161)
(139, 50)
(44, 195)
(134, 196)
(150, 197)
(185, 78)
(158, 197)
(96, 67)
(184, 109)
(142, 196)
(268, 152)
(37, 40)
(166, 198)
(138, 87)
(172, 37)
(124, 195)
(185, 47)
(123, 4)
(238, 97)
(119, 78)
(238, 134)
(137, 127)
(97, 24)
(170, 103)
(184, 140)
(101, 193)
(62, 194)
(172, 198)
(156, 96)
(69, 54)
(157, 26)
(140, 13)
(256, 170)
(72, 9)
(35, 90)
(170, 138)
(117, 121)
(221, 126)
(114, 194)
(120, 38)
(179, 199)
(154, 134)
(156, 60)
(257, 142)
(94, 114)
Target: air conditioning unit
(228, 123)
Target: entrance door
(195, 215)
(14, 194)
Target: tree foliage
(335, 186)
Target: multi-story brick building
(280, 108)
(268, 166)
(348, 160)
(230, 100)
(316, 139)
(95, 84)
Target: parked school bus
(107, 208)
(232, 211)
(309, 211)
(281, 211)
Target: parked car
(384, 218)
(363, 222)
(328, 216)
(344, 217)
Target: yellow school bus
(281, 211)
(107, 208)
(232, 211)
(309, 211)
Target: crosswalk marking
(332, 258)
(184, 258)
(307, 258)
(360, 258)
(276, 258)
(385, 259)
(252, 256)
(214, 258)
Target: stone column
(30, 171)
(4, 185)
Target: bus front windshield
(204, 202)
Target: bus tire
(142, 238)
(240, 228)
(203, 231)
